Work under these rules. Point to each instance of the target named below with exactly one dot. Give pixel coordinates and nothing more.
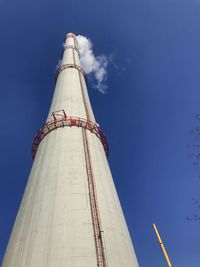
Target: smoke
(58, 65)
(91, 64)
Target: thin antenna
(162, 246)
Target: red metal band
(67, 66)
(71, 47)
(62, 121)
(71, 34)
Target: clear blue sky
(147, 114)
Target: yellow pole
(162, 246)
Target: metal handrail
(70, 122)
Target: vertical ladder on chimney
(101, 260)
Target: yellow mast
(162, 246)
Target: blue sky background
(147, 114)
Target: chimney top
(71, 34)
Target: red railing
(69, 66)
(59, 121)
(71, 47)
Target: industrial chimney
(70, 215)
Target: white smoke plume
(58, 65)
(91, 64)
